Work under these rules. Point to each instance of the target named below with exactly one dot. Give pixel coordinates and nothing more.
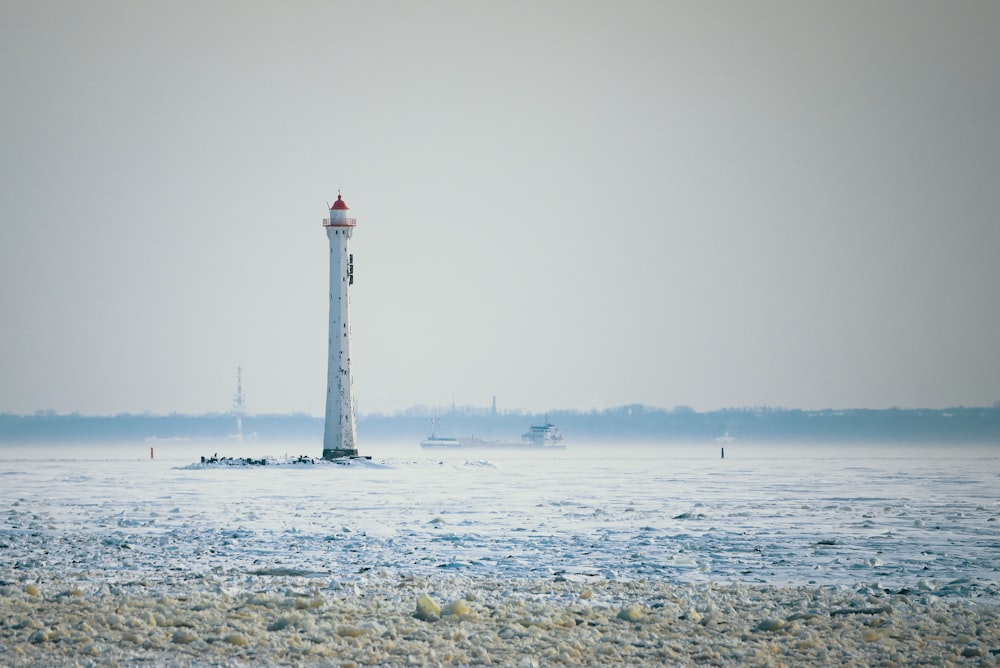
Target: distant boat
(538, 437)
(725, 438)
(543, 435)
(434, 441)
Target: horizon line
(420, 410)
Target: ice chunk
(770, 625)
(631, 613)
(292, 619)
(457, 608)
(184, 636)
(427, 609)
(237, 639)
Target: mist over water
(900, 516)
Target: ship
(539, 437)
(543, 435)
(433, 441)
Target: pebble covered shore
(391, 620)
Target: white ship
(544, 436)
(435, 441)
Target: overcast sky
(562, 204)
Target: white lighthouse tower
(339, 436)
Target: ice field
(601, 524)
(900, 516)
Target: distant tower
(339, 436)
(239, 403)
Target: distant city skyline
(566, 205)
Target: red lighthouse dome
(339, 215)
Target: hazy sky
(563, 204)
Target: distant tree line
(632, 423)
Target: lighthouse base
(340, 453)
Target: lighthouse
(339, 435)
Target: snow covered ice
(593, 555)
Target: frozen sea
(898, 517)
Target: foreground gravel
(389, 620)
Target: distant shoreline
(633, 423)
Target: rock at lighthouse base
(339, 454)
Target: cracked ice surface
(900, 516)
(591, 556)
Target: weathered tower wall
(340, 433)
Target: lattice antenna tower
(239, 399)
(239, 403)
